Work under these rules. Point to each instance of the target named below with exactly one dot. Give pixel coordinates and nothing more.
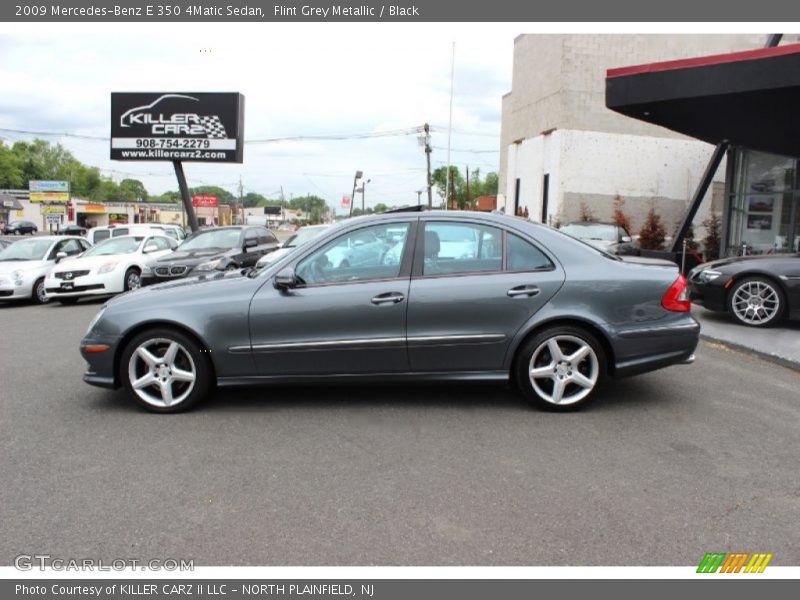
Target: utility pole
(469, 200)
(419, 195)
(428, 150)
(363, 193)
(241, 191)
(357, 176)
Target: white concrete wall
(592, 167)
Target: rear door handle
(388, 298)
(523, 290)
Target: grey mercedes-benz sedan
(403, 296)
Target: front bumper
(99, 365)
(713, 295)
(10, 291)
(85, 285)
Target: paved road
(661, 469)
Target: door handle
(388, 298)
(523, 290)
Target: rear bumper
(647, 348)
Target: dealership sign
(205, 200)
(205, 127)
(48, 191)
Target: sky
(298, 80)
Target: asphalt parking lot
(658, 471)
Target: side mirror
(60, 256)
(285, 279)
(625, 239)
(150, 248)
(250, 243)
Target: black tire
(232, 267)
(558, 373)
(127, 284)
(37, 292)
(67, 301)
(158, 338)
(762, 309)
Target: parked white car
(24, 264)
(101, 234)
(111, 267)
(299, 238)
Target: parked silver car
(516, 302)
(24, 264)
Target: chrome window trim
(370, 342)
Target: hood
(88, 262)
(192, 257)
(9, 266)
(722, 262)
(184, 288)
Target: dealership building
(563, 147)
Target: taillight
(676, 297)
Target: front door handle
(388, 298)
(523, 290)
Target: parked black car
(607, 236)
(72, 230)
(757, 290)
(20, 228)
(210, 250)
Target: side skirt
(352, 378)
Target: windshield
(120, 245)
(215, 238)
(595, 231)
(303, 236)
(26, 250)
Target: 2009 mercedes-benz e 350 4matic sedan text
(437, 296)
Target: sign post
(178, 127)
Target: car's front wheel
(560, 367)
(133, 279)
(756, 301)
(38, 294)
(165, 371)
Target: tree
(586, 213)
(711, 242)
(133, 189)
(380, 207)
(11, 173)
(620, 217)
(652, 233)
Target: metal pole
(428, 158)
(187, 201)
(450, 129)
(683, 257)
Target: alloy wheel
(133, 281)
(755, 302)
(161, 372)
(563, 370)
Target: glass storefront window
(763, 204)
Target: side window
(523, 256)
(71, 247)
(118, 231)
(265, 237)
(85, 245)
(161, 242)
(101, 235)
(462, 248)
(369, 253)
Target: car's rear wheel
(560, 367)
(38, 294)
(756, 301)
(133, 279)
(164, 371)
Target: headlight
(707, 275)
(95, 320)
(146, 269)
(208, 266)
(107, 267)
(17, 277)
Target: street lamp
(358, 176)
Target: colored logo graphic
(734, 563)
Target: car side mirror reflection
(286, 279)
(251, 243)
(150, 248)
(60, 256)
(625, 239)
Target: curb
(773, 358)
